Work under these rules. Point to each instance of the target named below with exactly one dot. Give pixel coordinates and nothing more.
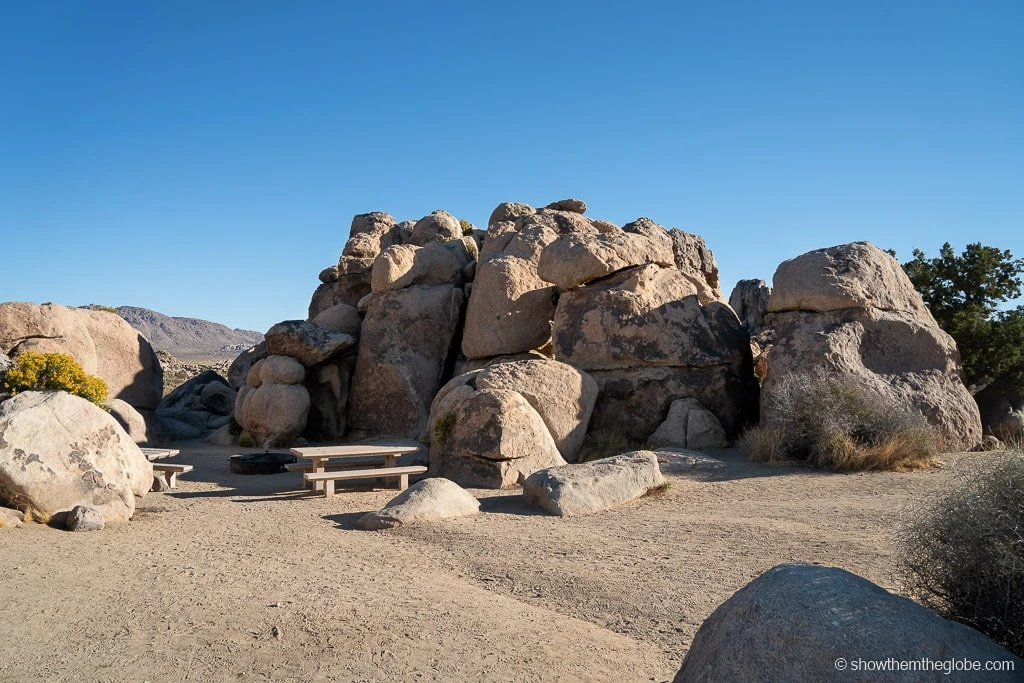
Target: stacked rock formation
(378, 344)
(639, 309)
(304, 359)
(412, 320)
(546, 318)
(851, 309)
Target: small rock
(682, 461)
(570, 205)
(11, 518)
(429, 500)
(989, 443)
(84, 518)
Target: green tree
(964, 292)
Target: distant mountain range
(183, 337)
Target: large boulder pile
(810, 623)
(493, 427)
(851, 309)
(59, 451)
(349, 280)
(628, 320)
(377, 346)
(102, 343)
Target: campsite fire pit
(260, 463)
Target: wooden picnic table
(384, 457)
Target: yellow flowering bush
(53, 372)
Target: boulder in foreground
(593, 486)
(799, 622)
(429, 500)
(58, 451)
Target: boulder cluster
(502, 347)
(200, 405)
(505, 348)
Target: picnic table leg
(320, 466)
(390, 460)
(403, 482)
(172, 480)
(328, 488)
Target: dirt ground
(248, 578)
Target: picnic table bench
(165, 474)
(328, 464)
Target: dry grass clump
(963, 554)
(833, 422)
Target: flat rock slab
(429, 500)
(593, 486)
(682, 461)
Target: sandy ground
(235, 578)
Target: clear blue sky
(205, 158)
